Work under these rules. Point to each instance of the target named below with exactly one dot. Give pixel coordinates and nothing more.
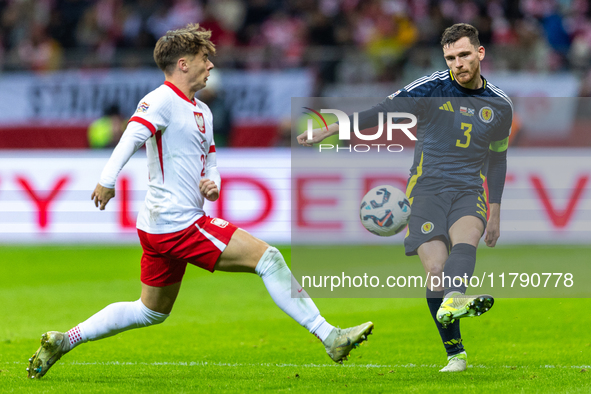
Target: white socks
(279, 281)
(115, 318)
(123, 316)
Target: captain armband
(499, 146)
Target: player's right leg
(457, 305)
(465, 234)
(249, 254)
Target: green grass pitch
(225, 334)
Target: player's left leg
(464, 234)
(246, 253)
(152, 308)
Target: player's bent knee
(272, 253)
(271, 261)
(435, 271)
(148, 317)
(276, 254)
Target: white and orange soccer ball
(384, 211)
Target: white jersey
(178, 134)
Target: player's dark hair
(459, 30)
(182, 42)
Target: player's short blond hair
(181, 42)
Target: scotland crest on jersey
(486, 114)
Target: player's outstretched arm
(102, 195)
(317, 135)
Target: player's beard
(467, 77)
(462, 76)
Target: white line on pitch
(366, 366)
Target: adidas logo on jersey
(447, 107)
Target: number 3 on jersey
(468, 128)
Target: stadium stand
(341, 43)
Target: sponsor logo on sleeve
(394, 94)
(143, 107)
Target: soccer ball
(384, 211)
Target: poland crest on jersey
(200, 121)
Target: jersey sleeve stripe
(409, 86)
(146, 123)
(499, 92)
(159, 147)
(441, 75)
(211, 149)
(422, 80)
(502, 94)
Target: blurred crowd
(343, 40)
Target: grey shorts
(433, 215)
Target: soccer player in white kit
(173, 228)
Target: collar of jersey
(179, 93)
(465, 90)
